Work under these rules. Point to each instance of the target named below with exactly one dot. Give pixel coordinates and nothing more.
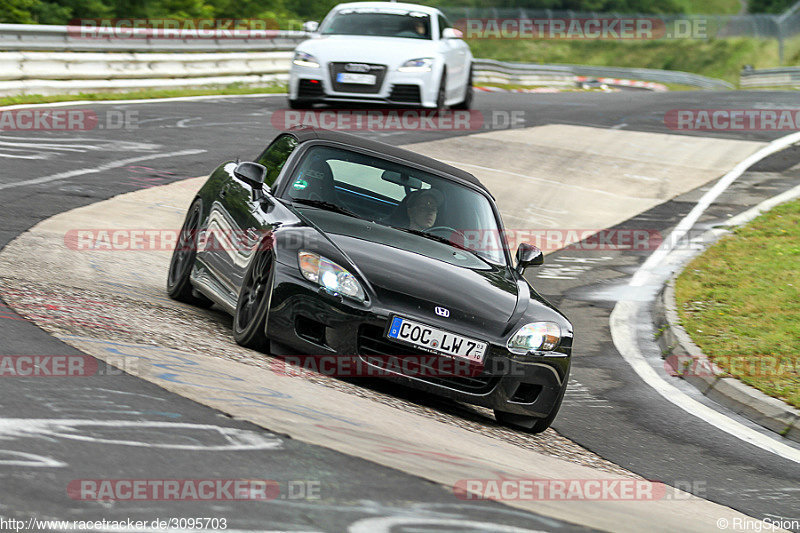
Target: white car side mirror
(451, 33)
(311, 26)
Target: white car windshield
(398, 196)
(404, 24)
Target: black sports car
(331, 245)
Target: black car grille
(309, 89)
(379, 351)
(405, 93)
(378, 70)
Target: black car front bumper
(305, 320)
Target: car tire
(530, 424)
(441, 95)
(298, 104)
(466, 103)
(179, 286)
(252, 307)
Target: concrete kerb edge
(745, 400)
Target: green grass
(143, 94)
(715, 58)
(740, 302)
(714, 7)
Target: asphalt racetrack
(331, 476)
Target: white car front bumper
(312, 85)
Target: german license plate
(434, 339)
(351, 77)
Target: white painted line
(624, 333)
(625, 329)
(387, 524)
(139, 101)
(108, 166)
(230, 439)
(28, 460)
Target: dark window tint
(407, 25)
(443, 24)
(275, 156)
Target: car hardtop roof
(389, 5)
(306, 133)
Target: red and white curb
(501, 90)
(648, 85)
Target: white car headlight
(303, 59)
(422, 64)
(326, 273)
(536, 336)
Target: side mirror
(311, 26)
(528, 255)
(252, 174)
(451, 33)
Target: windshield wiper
(438, 238)
(328, 206)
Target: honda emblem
(441, 311)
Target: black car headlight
(535, 337)
(327, 274)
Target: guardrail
(70, 72)
(771, 77)
(488, 69)
(30, 37)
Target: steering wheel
(434, 229)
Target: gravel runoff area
(65, 310)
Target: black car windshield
(399, 196)
(411, 25)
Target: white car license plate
(423, 336)
(351, 77)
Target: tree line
(285, 11)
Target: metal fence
(29, 37)
(763, 26)
(755, 25)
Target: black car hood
(475, 293)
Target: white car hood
(391, 51)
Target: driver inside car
(423, 208)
